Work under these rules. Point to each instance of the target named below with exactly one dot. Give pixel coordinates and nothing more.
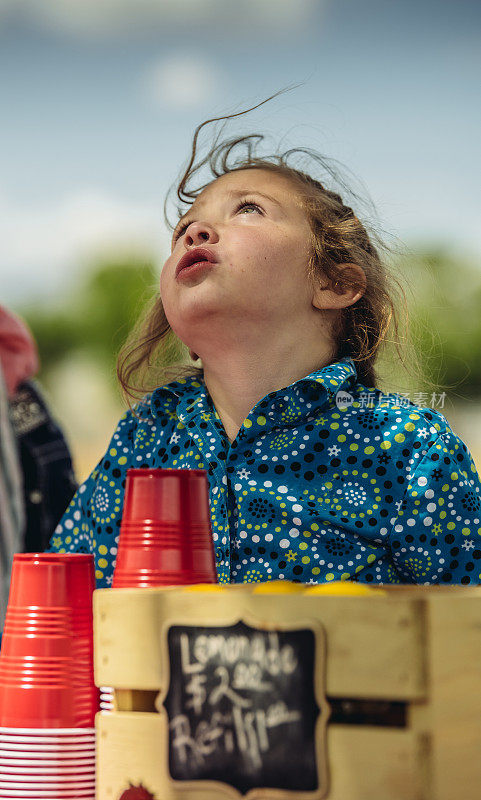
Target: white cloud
(111, 17)
(181, 81)
(41, 248)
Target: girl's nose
(200, 232)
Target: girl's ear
(334, 295)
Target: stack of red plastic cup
(48, 699)
(165, 535)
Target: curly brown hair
(153, 354)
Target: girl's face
(253, 223)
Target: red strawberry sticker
(136, 793)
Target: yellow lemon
(343, 588)
(215, 587)
(277, 587)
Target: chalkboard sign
(244, 708)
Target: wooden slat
(128, 751)
(365, 763)
(376, 764)
(374, 643)
(452, 715)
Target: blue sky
(101, 105)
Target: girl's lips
(193, 269)
(194, 256)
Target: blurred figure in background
(12, 516)
(36, 476)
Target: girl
(314, 474)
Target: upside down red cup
(46, 661)
(52, 580)
(165, 535)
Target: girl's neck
(236, 385)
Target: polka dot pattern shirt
(326, 480)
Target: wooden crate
(402, 678)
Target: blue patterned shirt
(326, 480)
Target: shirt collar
(319, 388)
(341, 374)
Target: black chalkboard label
(243, 708)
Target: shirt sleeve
(436, 536)
(91, 522)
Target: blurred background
(101, 99)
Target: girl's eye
(242, 204)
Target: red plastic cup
(58, 580)
(165, 536)
(39, 696)
(46, 661)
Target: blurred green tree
(96, 315)
(445, 310)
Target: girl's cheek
(162, 283)
(165, 267)
(166, 271)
